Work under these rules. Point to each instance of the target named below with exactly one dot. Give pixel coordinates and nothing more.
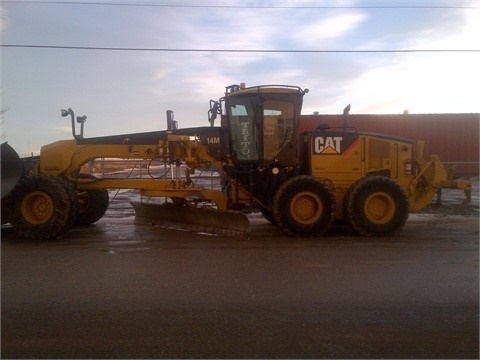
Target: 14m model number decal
(213, 140)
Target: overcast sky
(130, 91)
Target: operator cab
(261, 123)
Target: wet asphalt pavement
(119, 290)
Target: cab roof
(235, 89)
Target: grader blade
(230, 223)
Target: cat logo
(328, 145)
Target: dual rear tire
(373, 206)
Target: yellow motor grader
(301, 182)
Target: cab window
(278, 127)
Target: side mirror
(80, 119)
(213, 112)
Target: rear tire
(376, 206)
(304, 205)
(43, 207)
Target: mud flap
(230, 223)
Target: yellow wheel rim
(37, 207)
(379, 208)
(306, 207)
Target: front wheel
(92, 203)
(304, 205)
(376, 205)
(43, 207)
